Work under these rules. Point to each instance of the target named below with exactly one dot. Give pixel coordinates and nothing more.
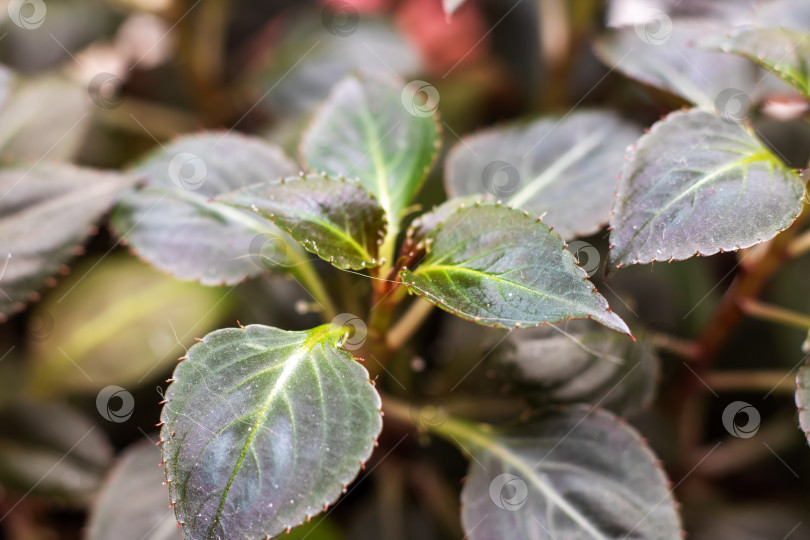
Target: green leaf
(563, 167)
(574, 473)
(580, 363)
(132, 504)
(415, 244)
(803, 399)
(49, 450)
(783, 51)
(698, 185)
(373, 128)
(502, 267)
(46, 212)
(263, 428)
(337, 220)
(88, 338)
(659, 53)
(175, 227)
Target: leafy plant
(264, 427)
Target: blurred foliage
(100, 83)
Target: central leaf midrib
(222, 210)
(741, 162)
(500, 451)
(293, 363)
(381, 175)
(484, 275)
(559, 165)
(341, 233)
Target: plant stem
(754, 381)
(388, 251)
(425, 418)
(409, 323)
(428, 416)
(680, 347)
(755, 271)
(746, 286)
(384, 300)
(775, 314)
(202, 45)
(800, 245)
(436, 496)
(300, 267)
(778, 434)
(304, 272)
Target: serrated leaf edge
(439, 302)
(173, 499)
(632, 151)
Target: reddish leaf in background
(444, 43)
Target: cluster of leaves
(264, 428)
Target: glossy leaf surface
(783, 51)
(573, 473)
(502, 267)
(263, 428)
(173, 224)
(565, 167)
(375, 129)
(581, 363)
(697, 185)
(335, 219)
